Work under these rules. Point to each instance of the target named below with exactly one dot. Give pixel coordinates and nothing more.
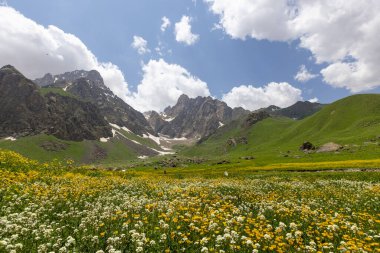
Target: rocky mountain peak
(69, 77)
(9, 69)
(25, 111)
(89, 86)
(194, 118)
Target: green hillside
(353, 122)
(122, 148)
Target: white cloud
(314, 100)
(165, 23)
(140, 44)
(303, 75)
(343, 33)
(183, 32)
(36, 50)
(260, 19)
(252, 98)
(163, 84)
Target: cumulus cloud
(163, 84)
(253, 98)
(304, 75)
(343, 34)
(165, 23)
(140, 44)
(183, 31)
(36, 50)
(314, 100)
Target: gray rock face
(24, 111)
(194, 118)
(89, 86)
(255, 117)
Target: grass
(59, 91)
(80, 152)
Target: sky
(249, 53)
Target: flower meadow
(61, 208)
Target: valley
(82, 171)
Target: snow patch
(67, 86)
(169, 119)
(115, 126)
(120, 128)
(220, 124)
(104, 139)
(163, 152)
(10, 138)
(152, 137)
(113, 132)
(142, 157)
(126, 129)
(117, 132)
(166, 138)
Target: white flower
(204, 240)
(293, 226)
(139, 249)
(62, 250)
(282, 225)
(204, 249)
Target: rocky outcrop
(156, 121)
(329, 147)
(255, 117)
(89, 86)
(25, 111)
(194, 117)
(307, 146)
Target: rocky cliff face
(194, 118)
(25, 111)
(89, 86)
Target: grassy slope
(78, 151)
(59, 91)
(353, 120)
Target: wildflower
(293, 226)
(204, 249)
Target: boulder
(329, 147)
(307, 146)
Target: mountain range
(78, 109)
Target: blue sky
(222, 62)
